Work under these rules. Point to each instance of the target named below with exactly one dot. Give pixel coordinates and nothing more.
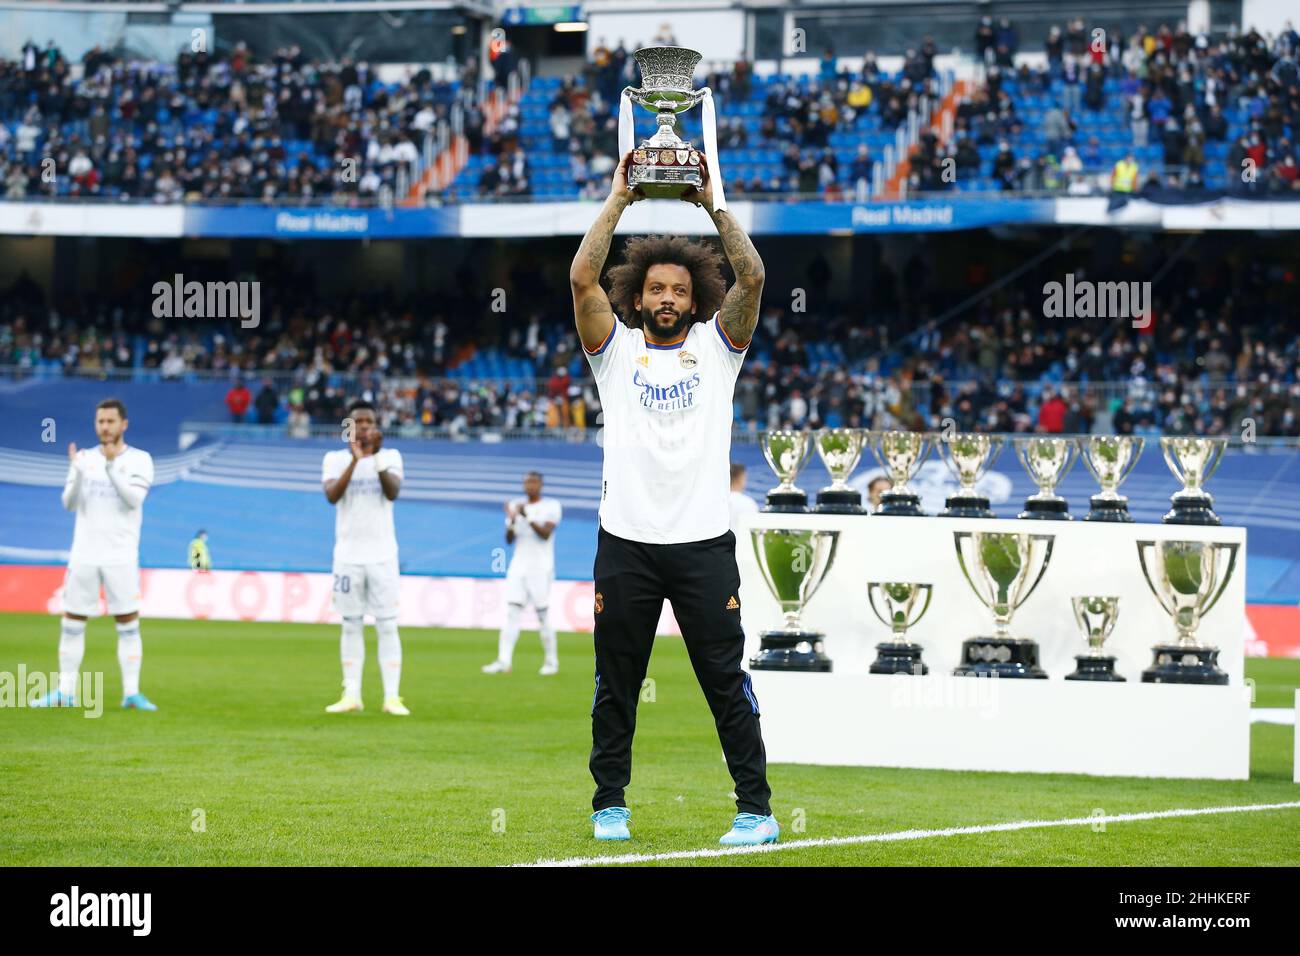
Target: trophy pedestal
(787, 502)
(966, 506)
(895, 504)
(1176, 664)
(897, 658)
(999, 657)
(1047, 509)
(1094, 668)
(1108, 509)
(839, 501)
(791, 651)
(1192, 510)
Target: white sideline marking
(907, 835)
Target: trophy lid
(667, 77)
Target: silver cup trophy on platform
(840, 449)
(1003, 569)
(1187, 578)
(786, 451)
(900, 454)
(793, 562)
(1047, 460)
(1192, 460)
(899, 605)
(664, 166)
(1110, 458)
(969, 456)
(1096, 617)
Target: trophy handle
(1227, 576)
(957, 537)
(1143, 547)
(1139, 443)
(871, 599)
(927, 443)
(1220, 450)
(1071, 456)
(1047, 558)
(929, 593)
(996, 445)
(1083, 444)
(1166, 449)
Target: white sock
(129, 651)
(352, 651)
(548, 637)
(509, 635)
(72, 648)
(390, 656)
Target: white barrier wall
(853, 717)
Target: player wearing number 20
(362, 482)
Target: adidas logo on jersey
(732, 603)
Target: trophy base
(962, 506)
(791, 651)
(906, 505)
(1049, 510)
(787, 502)
(1175, 664)
(999, 657)
(839, 501)
(1192, 511)
(664, 182)
(1108, 509)
(1095, 668)
(899, 659)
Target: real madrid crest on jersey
(686, 358)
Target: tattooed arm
(739, 312)
(591, 308)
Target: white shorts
(121, 587)
(361, 589)
(529, 587)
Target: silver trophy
(664, 166)
(1002, 568)
(900, 454)
(793, 563)
(969, 456)
(1096, 617)
(1047, 460)
(786, 451)
(1110, 458)
(1193, 460)
(899, 605)
(1187, 578)
(840, 449)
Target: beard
(666, 326)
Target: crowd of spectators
(213, 126)
(1214, 352)
(1175, 92)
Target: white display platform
(853, 717)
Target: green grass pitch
(492, 769)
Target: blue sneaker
(611, 823)
(138, 702)
(751, 829)
(55, 698)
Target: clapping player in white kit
(530, 527)
(362, 482)
(106, 488)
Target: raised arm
(591, 310)
(334, 487)
(72, 487)
(739, 312)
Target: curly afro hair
(701, 258)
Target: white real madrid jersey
(107, 532)
(532, 554)
(667, 433)
(363, 517)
